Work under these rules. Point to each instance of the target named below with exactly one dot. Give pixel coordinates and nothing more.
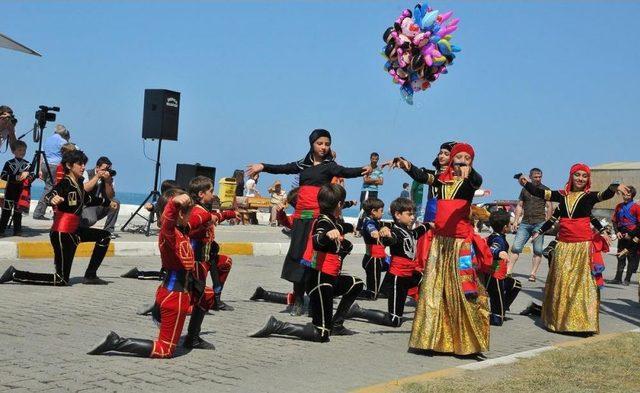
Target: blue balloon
(443, 49)
(428, 19)
(417, 14)
(407, 94)
(455, 48)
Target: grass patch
(601, 366)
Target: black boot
(133, 273)
(115, 343)
(338, 328)
(7, 275)
(495, 320)
(97, 256)
(367, 295)
(268, 296)
(307, 332)
(532, 309)
(219, 305)
(375, 316)
(193, 339)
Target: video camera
(43, 115)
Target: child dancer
(324, 253)
(502, 289)
(404, 272)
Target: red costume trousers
(174, 306)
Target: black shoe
(367, 295)
(340, 330)
(219, 305)
(94, 281)
(7, 275)
(616, 281)
(197, 342)
(18, 234)
(297, 310)
(495, 320)
(133, 273)
(307, 332)
(258, 294)
(41, 218)
(411, 302)
(107, 345)
(626, 283)
(532, 309)
(134, 346)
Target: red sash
(325, 262)
(307, 205)
(452, 218)
(376, 251)
(65, 222)
(402, 267)
(574, 230)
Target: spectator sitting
(278, 197)
(52, 152)
(251, 186)
(100, 184)
(405, 191)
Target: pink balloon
(442, 17)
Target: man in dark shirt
(99, 183)
(534, 212)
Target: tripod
(39, 157)
(153, 196)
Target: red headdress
(459, 147)
(575, 168)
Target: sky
(543, 84)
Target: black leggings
(373, 267)
(64, 249)
(10, 208)
(502, 293)
(322, 288)
(397, 288)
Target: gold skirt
(571, 298)
(445, 321)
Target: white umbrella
(6, 42)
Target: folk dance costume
(206, 251)
(571, 294)
(374, 261)
(324, 258)
(173, 295)
(502, 289)
(311, 177)
(404, 273)
(626, 219)
(66, 235)
(452, 315)
(17, 194)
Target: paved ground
(45, 333)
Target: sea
(134, 198)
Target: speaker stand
(153, 196)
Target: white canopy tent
(6, 42)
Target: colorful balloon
(418, 48)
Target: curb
(43, 249)
(395, 385)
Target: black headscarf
(316, 134)
(447, 146)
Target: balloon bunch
(418, 48)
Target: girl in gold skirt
(452, 315)
(571, 295)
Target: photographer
(53, 154)
(100, 184)
(7, 125)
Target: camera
(112, 172)
(43, 114)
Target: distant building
(627, 172)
